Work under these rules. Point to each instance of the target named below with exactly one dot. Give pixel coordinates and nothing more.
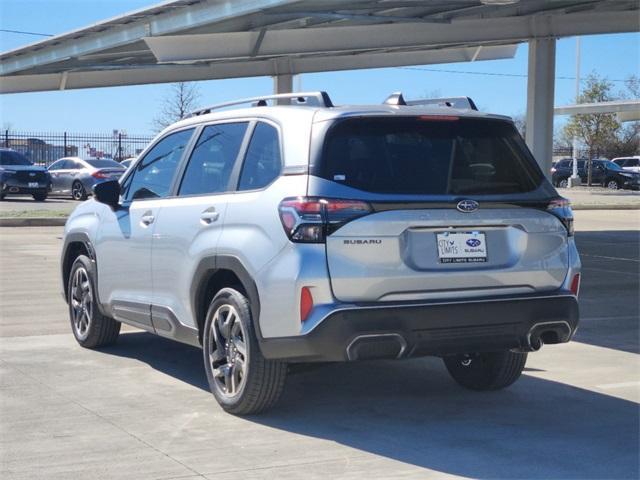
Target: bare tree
(520, 121)
(181, 98)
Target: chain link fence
(45, 148)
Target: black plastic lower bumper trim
(404, 330)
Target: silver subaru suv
(293, 231)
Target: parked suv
(603, 172)
(18, 176)
(272, 235)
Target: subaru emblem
(467, 206)
(473, 242)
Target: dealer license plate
(461, 247)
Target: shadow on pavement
(412, 412)
(610, 290)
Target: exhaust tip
(376, 346)
(549, 333)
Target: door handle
(209, 216)
(147, 218)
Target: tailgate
(394, 255)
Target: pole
(65, 144)
(575, 179)
(119, 146)
(6, 138)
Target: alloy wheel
(227, 351)
(612, 185)
(81, 303)
(77, 191)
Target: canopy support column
(283, 83)
(540, 99)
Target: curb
(33, 222)
(628, 206)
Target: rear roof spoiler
(464, 103)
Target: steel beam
(261, 67)
(540, 97)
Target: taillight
(575, 284)
(306, 303)
(99, 174)
(311, 219)
(561, 208)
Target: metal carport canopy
(208, 39)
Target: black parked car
(603, 172)
(19, 176)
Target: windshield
(8, 157)
(613, 166)
(104, 164)
(428, 155)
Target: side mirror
(108, 193)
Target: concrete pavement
(141, 409)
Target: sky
(497, 86)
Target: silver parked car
(631, 164)
(312, 233)
(75, 176)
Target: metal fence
(46, 148)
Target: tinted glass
(262, 162)
(74, 165)
(213, 158)
(8, 157)
(57, 165)
(153, 175)
(426, 156)
(611, 166)
(104, 163)
(564, 164)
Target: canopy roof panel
(206, 39)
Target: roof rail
(317, 99)
(396, 98)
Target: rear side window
(213, 158)
(153, 175)
(263, 161)
(428, 156)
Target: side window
(153, 175)
(57, 165)
(213, 159)
(263, 161)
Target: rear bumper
(355, 332)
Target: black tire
(100, 330)
(612, 184)
(78, 191)
(40, 197)
(486, 371)
(261, 381)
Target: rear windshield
(428, 156)
(104, 164)
(8, 157)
